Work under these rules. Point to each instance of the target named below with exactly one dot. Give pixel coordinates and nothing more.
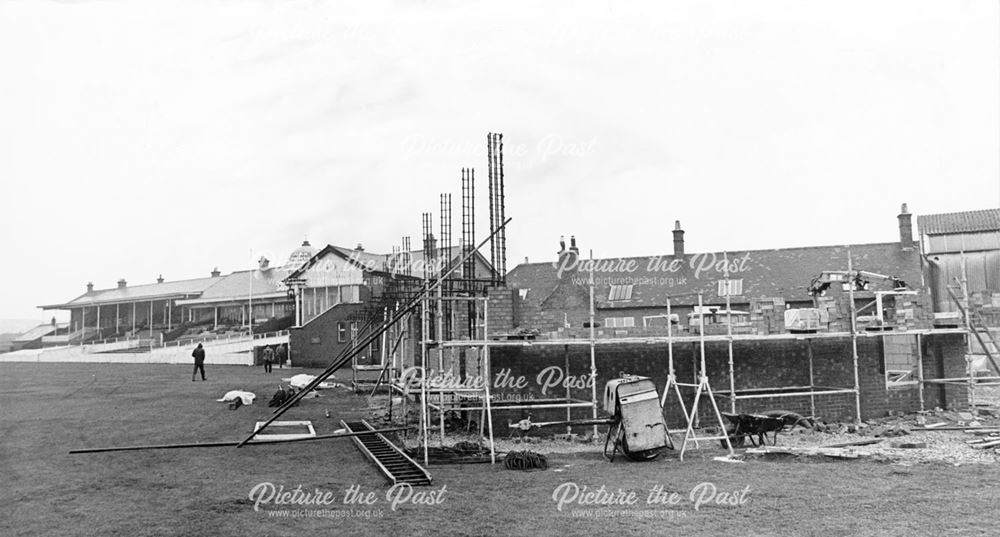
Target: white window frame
(619, 322)
(624, 292)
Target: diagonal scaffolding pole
(411, 304)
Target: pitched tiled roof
(237, 286)
(784, 273)
(153, 291)
(380, 262)
(963, 222)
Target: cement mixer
(637, 426)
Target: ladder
(978, 328)
(389, 459)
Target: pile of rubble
(933, 436)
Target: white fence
(221, 351)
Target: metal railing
(183, 342)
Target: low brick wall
(757, 364)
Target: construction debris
(852, 444)
(909, 445)
(945, 436)
(838, 453)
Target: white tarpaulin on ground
(302, 380)
(245, 397)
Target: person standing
(199, 362)
(268, 359)
(281, 355)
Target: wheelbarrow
(751, 426)
(637, 428)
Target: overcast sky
(140, 139)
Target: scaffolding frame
(971, 380)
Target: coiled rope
(525, 461)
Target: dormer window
(620, 292)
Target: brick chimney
(905, 228)
(122, 283)
(568, 256)
(361, 248)
(216, 273)
(90, 287)
(678, 239)
(160, 279)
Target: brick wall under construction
(757, 364)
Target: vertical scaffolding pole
(569, 393)
(920, 371)
(812, 381)
(670, 357)
(968, 333)
(487, 377)
(729, 336)
(854, 340)
(593, 357)
(424, 411)
(440, 352)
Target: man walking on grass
(280, 355)
(268, 359)
(199, 362)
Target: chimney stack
(216, 273)
(678, 239)
(360, 248)
(567, 258)
(90, 287)
(121, 283)
(905, 228)
(160, 279)
(263, 263)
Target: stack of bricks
(987, 305)
(831, 315)
(908, 312)
(767, 315)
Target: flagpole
(250, 304)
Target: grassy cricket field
(48, 409)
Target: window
(523, 293)
(900, 355)
(660, 320)
(341, 333)
(620, 292)
(730, 287)
(619, 322)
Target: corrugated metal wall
(982, 268)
